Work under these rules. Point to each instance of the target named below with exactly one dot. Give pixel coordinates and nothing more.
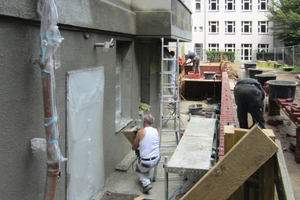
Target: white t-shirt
(149, 146)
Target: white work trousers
(143, 169)
(172, 90)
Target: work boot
(146, 188)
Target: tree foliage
(285, 15)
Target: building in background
(240, 26)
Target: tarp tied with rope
(50, 41)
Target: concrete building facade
(231, 25)
(129, 72)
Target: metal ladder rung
(170, 46)
(168, 96)
(169, 116)
(167, 87)
(165, 101)
(171, 130)
(167, 59)
(169, 84)
(169, 72)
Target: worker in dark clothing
(195, 59)
(249, 97)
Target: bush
(215, 56)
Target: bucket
(209, 75)
(218, 76)
(282, 89)
(262, 78)
(251, 65)
(196, 109)
(209, 100)
(253, 72)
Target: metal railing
(283, 55)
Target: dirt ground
(282, 131)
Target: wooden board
(233, 135)
(263, 180)
(246, 157)
(283, 184)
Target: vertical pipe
(50, 128)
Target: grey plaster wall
(93, 14)
(23, 174)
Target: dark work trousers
(248, 99)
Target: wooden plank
(270, 133)
(268, 170)
(229, 137)
(265, 173)
(241, 132)
(282, 180)
(229, 143)
(252, 151)
(239, 194)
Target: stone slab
(193, 152)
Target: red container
(197, 76)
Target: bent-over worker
(249, 97)
(147, 140)
(195, 59)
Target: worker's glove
(137, 152)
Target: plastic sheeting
(85, 133)
(49, 32)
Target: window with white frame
(123, 81)
(198, 48)
(200, 28)
(246, 27)
(263, 4)
(246, 4)
(263, 48)
(230, 47)
(213, 4)
(195, 28)
(246, 53)
(263, 27)
(213, 47)
(229, 4)
(229, 27)
(198, 5)
(213, 27)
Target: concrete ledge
(126, 162)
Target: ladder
(169, 104)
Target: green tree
(285, 15)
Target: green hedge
(215, 56)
